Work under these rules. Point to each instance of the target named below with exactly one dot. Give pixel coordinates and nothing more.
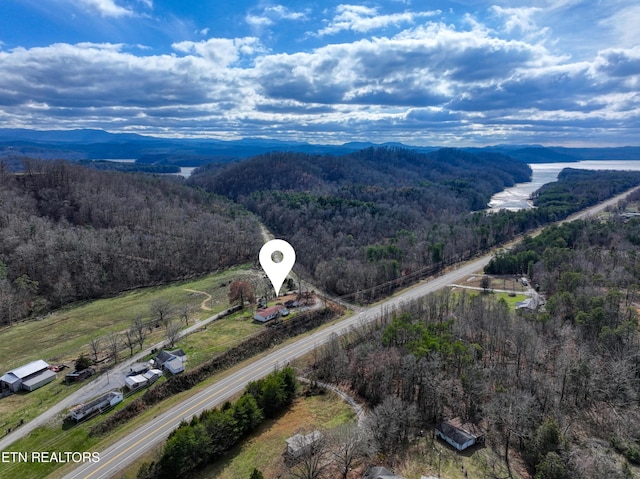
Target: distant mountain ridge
(100, 144)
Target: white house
(135, 382)
(172, 361)
(459, 435)
(109, 399)
(267, 314)
(141, 380)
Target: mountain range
(98, 144)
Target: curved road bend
(125, 451)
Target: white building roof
(29, 369)
(174, 364)
(135, 380)
(152, 373)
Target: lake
(517, 197)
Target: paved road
(113, 379)
(125, 451)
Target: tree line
(69, 233)
(207, 437)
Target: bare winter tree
(95, 345)
(390, 423)
(185, 311)
(114, 341)
(129, 340)
(241, 291)
(173, 332)
(347, 446)
(161, 309)
(140, 331)
(311, 460)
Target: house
(458, 434)
(107, 400)
(267, 314)
(379, 472)
(172, 361)
(29, 377)
(299, 444)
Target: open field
(264, 448)
(53, 438)
(218, 337)
(63, 335)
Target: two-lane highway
(127, 450)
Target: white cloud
(221, 51)
(624, 23)
(273, 14)
(361, 19)
(107, 8)
(519, 18)
(434, 78)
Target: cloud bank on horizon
(419, 72)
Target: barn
(28, 377)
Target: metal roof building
(30, 376)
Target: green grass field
(264, 448)
(65, 334)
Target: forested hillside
(70, 233)
(360, 220)
(557, 390)
(362, 223)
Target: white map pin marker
(277, 272)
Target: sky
(446, 73)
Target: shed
(138, 368)
(152, 375)
(299, 444)
(379, 472)
(458, 434)
(76, 376)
